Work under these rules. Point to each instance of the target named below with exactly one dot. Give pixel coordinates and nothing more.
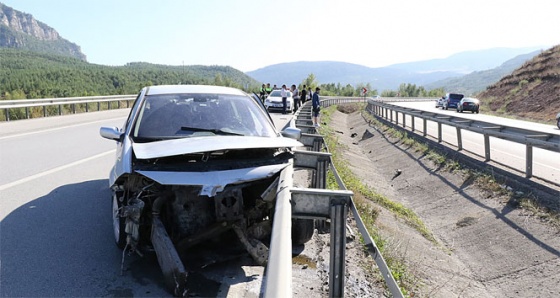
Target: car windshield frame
(276, 93)
(183, 115)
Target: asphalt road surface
(56, 237)
(546, 164)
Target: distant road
(546, 164)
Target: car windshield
(276, 93)
(456, 96)
(170, 116)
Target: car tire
(558, 123)
(302, 230)
(118, 223)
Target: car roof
(174, 89)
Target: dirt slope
(531, 92)
(486, 247)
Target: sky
(252, 34)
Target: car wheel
(302, 230)
(118, 223)
(558, 123)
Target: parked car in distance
(558, 120)
(468, 104)
(451, 100)
(274, 101)
(439, 102)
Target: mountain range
(466, 72)
(434, 73)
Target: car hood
(215, 181)
(208, 143)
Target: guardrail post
(87, 107)
(412, 123)
(339, 211)
(529, 161)
(459, 139)
(7, 114)
(391, 115)
(425, 123)
(439, 132)
(26, 112)
(98, 106)
(404, 120)
(486, 147)
(73, 108)
(44, 111)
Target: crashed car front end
(178, 183)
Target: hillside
(477, 81)
(26, 74)
(390, 77)
(19, 30)
(531, 92)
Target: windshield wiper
(212, 130)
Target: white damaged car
(194, 162)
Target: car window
(189, 115)
(456, 96)
(276, 93)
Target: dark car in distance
(468, 104)
(451, 100)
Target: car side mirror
(292, 133)
(111, 133)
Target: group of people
(300, 97)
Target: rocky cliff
(22, 31)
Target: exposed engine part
(260, 230)
(168, 259)
(256, 249)
(132, 212)
(190, 212)
(229, 205)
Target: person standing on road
(284, 94)
(316, 107)
(263, 92)
(268, 89)
(295, 93)
(303, 94)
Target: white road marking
(57, 169)
(58, 128)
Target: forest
(27, 75)
(30, 75)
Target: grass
(484, 180)
(363, 194)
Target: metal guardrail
(527, 137)
(316, 143)
(26, 104)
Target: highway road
(546, 164)
(55, 217)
